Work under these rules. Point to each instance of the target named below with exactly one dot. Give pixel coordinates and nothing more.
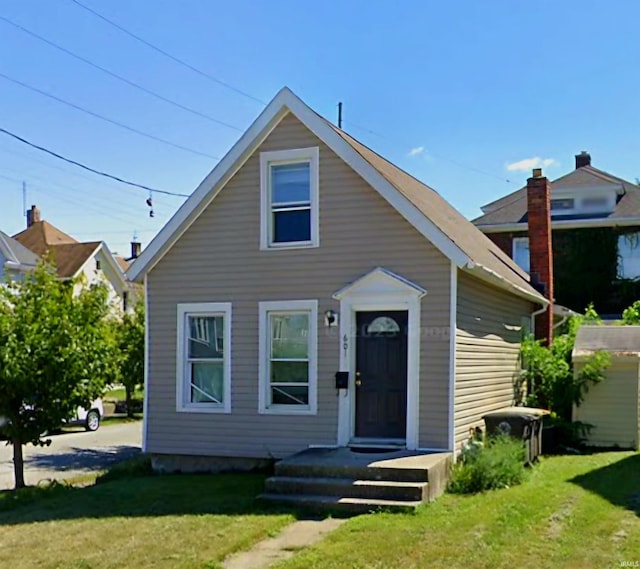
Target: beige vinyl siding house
(262, 344)
(488, 334)
(611, 407)
(227, 266)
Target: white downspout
(564, 319)
(533, 325)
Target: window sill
(289, 246)
(287, 411)
(202, 409)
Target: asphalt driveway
(73, 453)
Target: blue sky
(453, 92)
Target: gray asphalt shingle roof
(512, 208)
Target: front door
(381, 374)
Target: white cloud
(416, 151)
(529, 163)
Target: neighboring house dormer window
(629, 256)
(289, 199)
(520, 253)
(562, 204)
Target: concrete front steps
(353, 482)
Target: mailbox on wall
(342, 379)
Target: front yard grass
(573, 512)
(181, 521)
(118, 394)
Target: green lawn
(574, 512)
(181, 521)
(118, 394)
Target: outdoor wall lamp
(330, 318)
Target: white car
(90, 419)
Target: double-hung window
(288, 361)
(204, 358)
(289, 198)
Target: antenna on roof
(24, 198)
(340, 115)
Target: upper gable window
(289, 199)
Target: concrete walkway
(294, 537)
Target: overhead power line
(88, 168)
(111, 186)
(439, 156)
(107, 119)
(90, 201)
(167, 54)
(120, 77)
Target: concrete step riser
(345, 508)
(353, 472)
(312, 486)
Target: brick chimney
(136, 248)
(583, 159)
(540, 251)
(33, 215)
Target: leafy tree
(55, 355)
(130, 340)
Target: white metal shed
(612, 406)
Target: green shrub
(499, 464)
(548, 370)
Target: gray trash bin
(524, 423)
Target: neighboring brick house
(595, 221)
(92, 261)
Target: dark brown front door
(381, 374)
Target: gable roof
(71, 257)
(512, 208)
(16, 253)
(449, 231)
(40, 235)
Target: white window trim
(311, 155)
(202, 309)
(263, 352)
